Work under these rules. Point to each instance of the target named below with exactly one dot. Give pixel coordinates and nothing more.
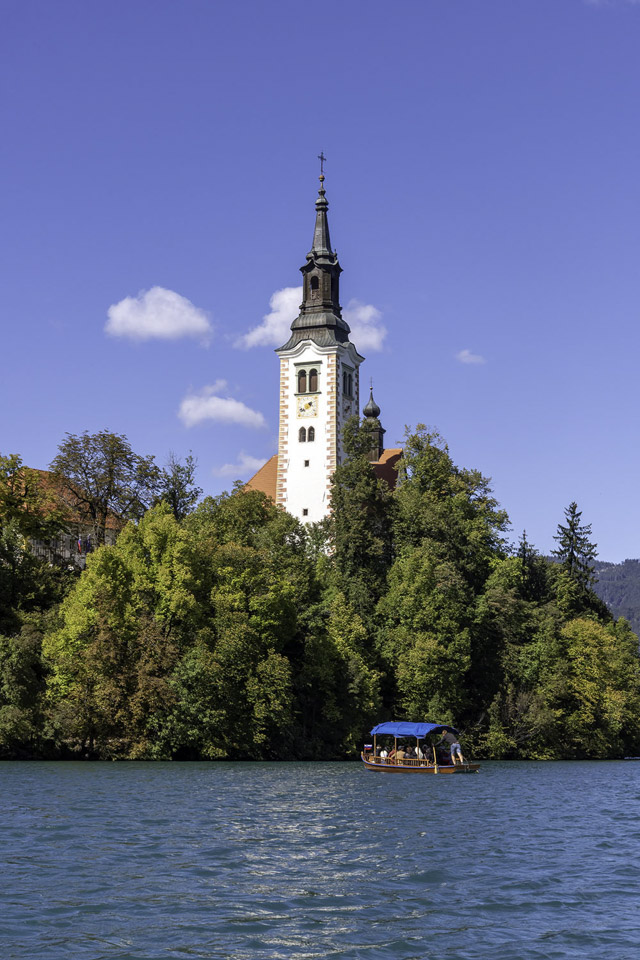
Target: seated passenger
(400, 754)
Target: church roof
(265, 479)
(56, 496)
(386, 468)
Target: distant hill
(619, 586)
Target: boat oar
(435, 759)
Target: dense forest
(618, 585)
(222, 628)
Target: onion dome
(372, 410)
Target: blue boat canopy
(402, 728)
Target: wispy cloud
(246, 465)
(207, 405)
(367, 331)
(465, 356)
(612, 3)
(273, 331)
(158, 314)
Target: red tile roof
(265, 479)
(54, 491)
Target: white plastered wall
(307, 488)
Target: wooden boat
(425, 764)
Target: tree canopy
(100, 476)
(225, 629)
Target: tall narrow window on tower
(302, 434)
(302, 381)
(312, 434)
(313, 381)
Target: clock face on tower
(307, 406)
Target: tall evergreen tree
(575, 551)
(533, 570)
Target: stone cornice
(303, 345)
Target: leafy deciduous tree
(101, 476)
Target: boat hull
(416, 766)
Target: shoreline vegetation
(223, 629)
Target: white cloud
(157, 314)
(364, 320)
(246, 465)
(274, 329)
(206, 405)
(367, 332)
(465, 356)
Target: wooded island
(223, 628)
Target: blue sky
(159, 173)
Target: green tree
(358, 682)
(425, 639)
(448, 537)
(575, 552)
(120, 636)
(452, 506)
(594, 690)
(27, 502)
(100, 476)
(534, 583)
(176, 486)
(181, 639)
(360, 525)
(22, 687)
(28, 512)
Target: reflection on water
(306, 860)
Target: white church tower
(319, 383)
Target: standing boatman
(454, 747)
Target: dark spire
(321, 240)
(320, 317)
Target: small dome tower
(372, 424)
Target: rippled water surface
(305, 860)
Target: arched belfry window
(313, 380)
(302, 381)
(312, 434)
(315, 284)
(302, 434)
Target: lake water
(306, 860)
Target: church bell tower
(319, 382)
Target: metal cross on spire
(322, 159)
